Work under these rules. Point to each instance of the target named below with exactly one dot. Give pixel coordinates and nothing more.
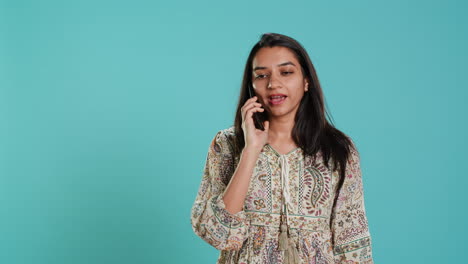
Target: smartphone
(258, 117)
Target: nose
(274, 81)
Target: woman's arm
(351, 237)
(223, 226)
(234, 196)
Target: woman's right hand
(253, 137)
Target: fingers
(252, 107)
(249, 113)
(249, 102)
(249, 105)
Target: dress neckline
(277, 153)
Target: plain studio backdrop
(107, 109)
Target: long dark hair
(312, 132)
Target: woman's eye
(261, 76)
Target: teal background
(107, 109)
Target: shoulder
(225, 134)
(354, 157)
(229, 133)
(223, 140)
(352, 145)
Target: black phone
(258, 117)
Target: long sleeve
(209, 218)
(350, 230)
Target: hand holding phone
(258, 117)
(255, 130)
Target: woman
(288, 187)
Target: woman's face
(276, 71)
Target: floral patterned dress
(322, 233)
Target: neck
(280, 129)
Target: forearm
(236, 190)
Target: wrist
(252, 150)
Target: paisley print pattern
(258, 240)
(317, 184)
(271, 255)
(324, 232)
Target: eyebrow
(281, 64)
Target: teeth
(277, 97)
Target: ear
(306, 86)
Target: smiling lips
(276, 99)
